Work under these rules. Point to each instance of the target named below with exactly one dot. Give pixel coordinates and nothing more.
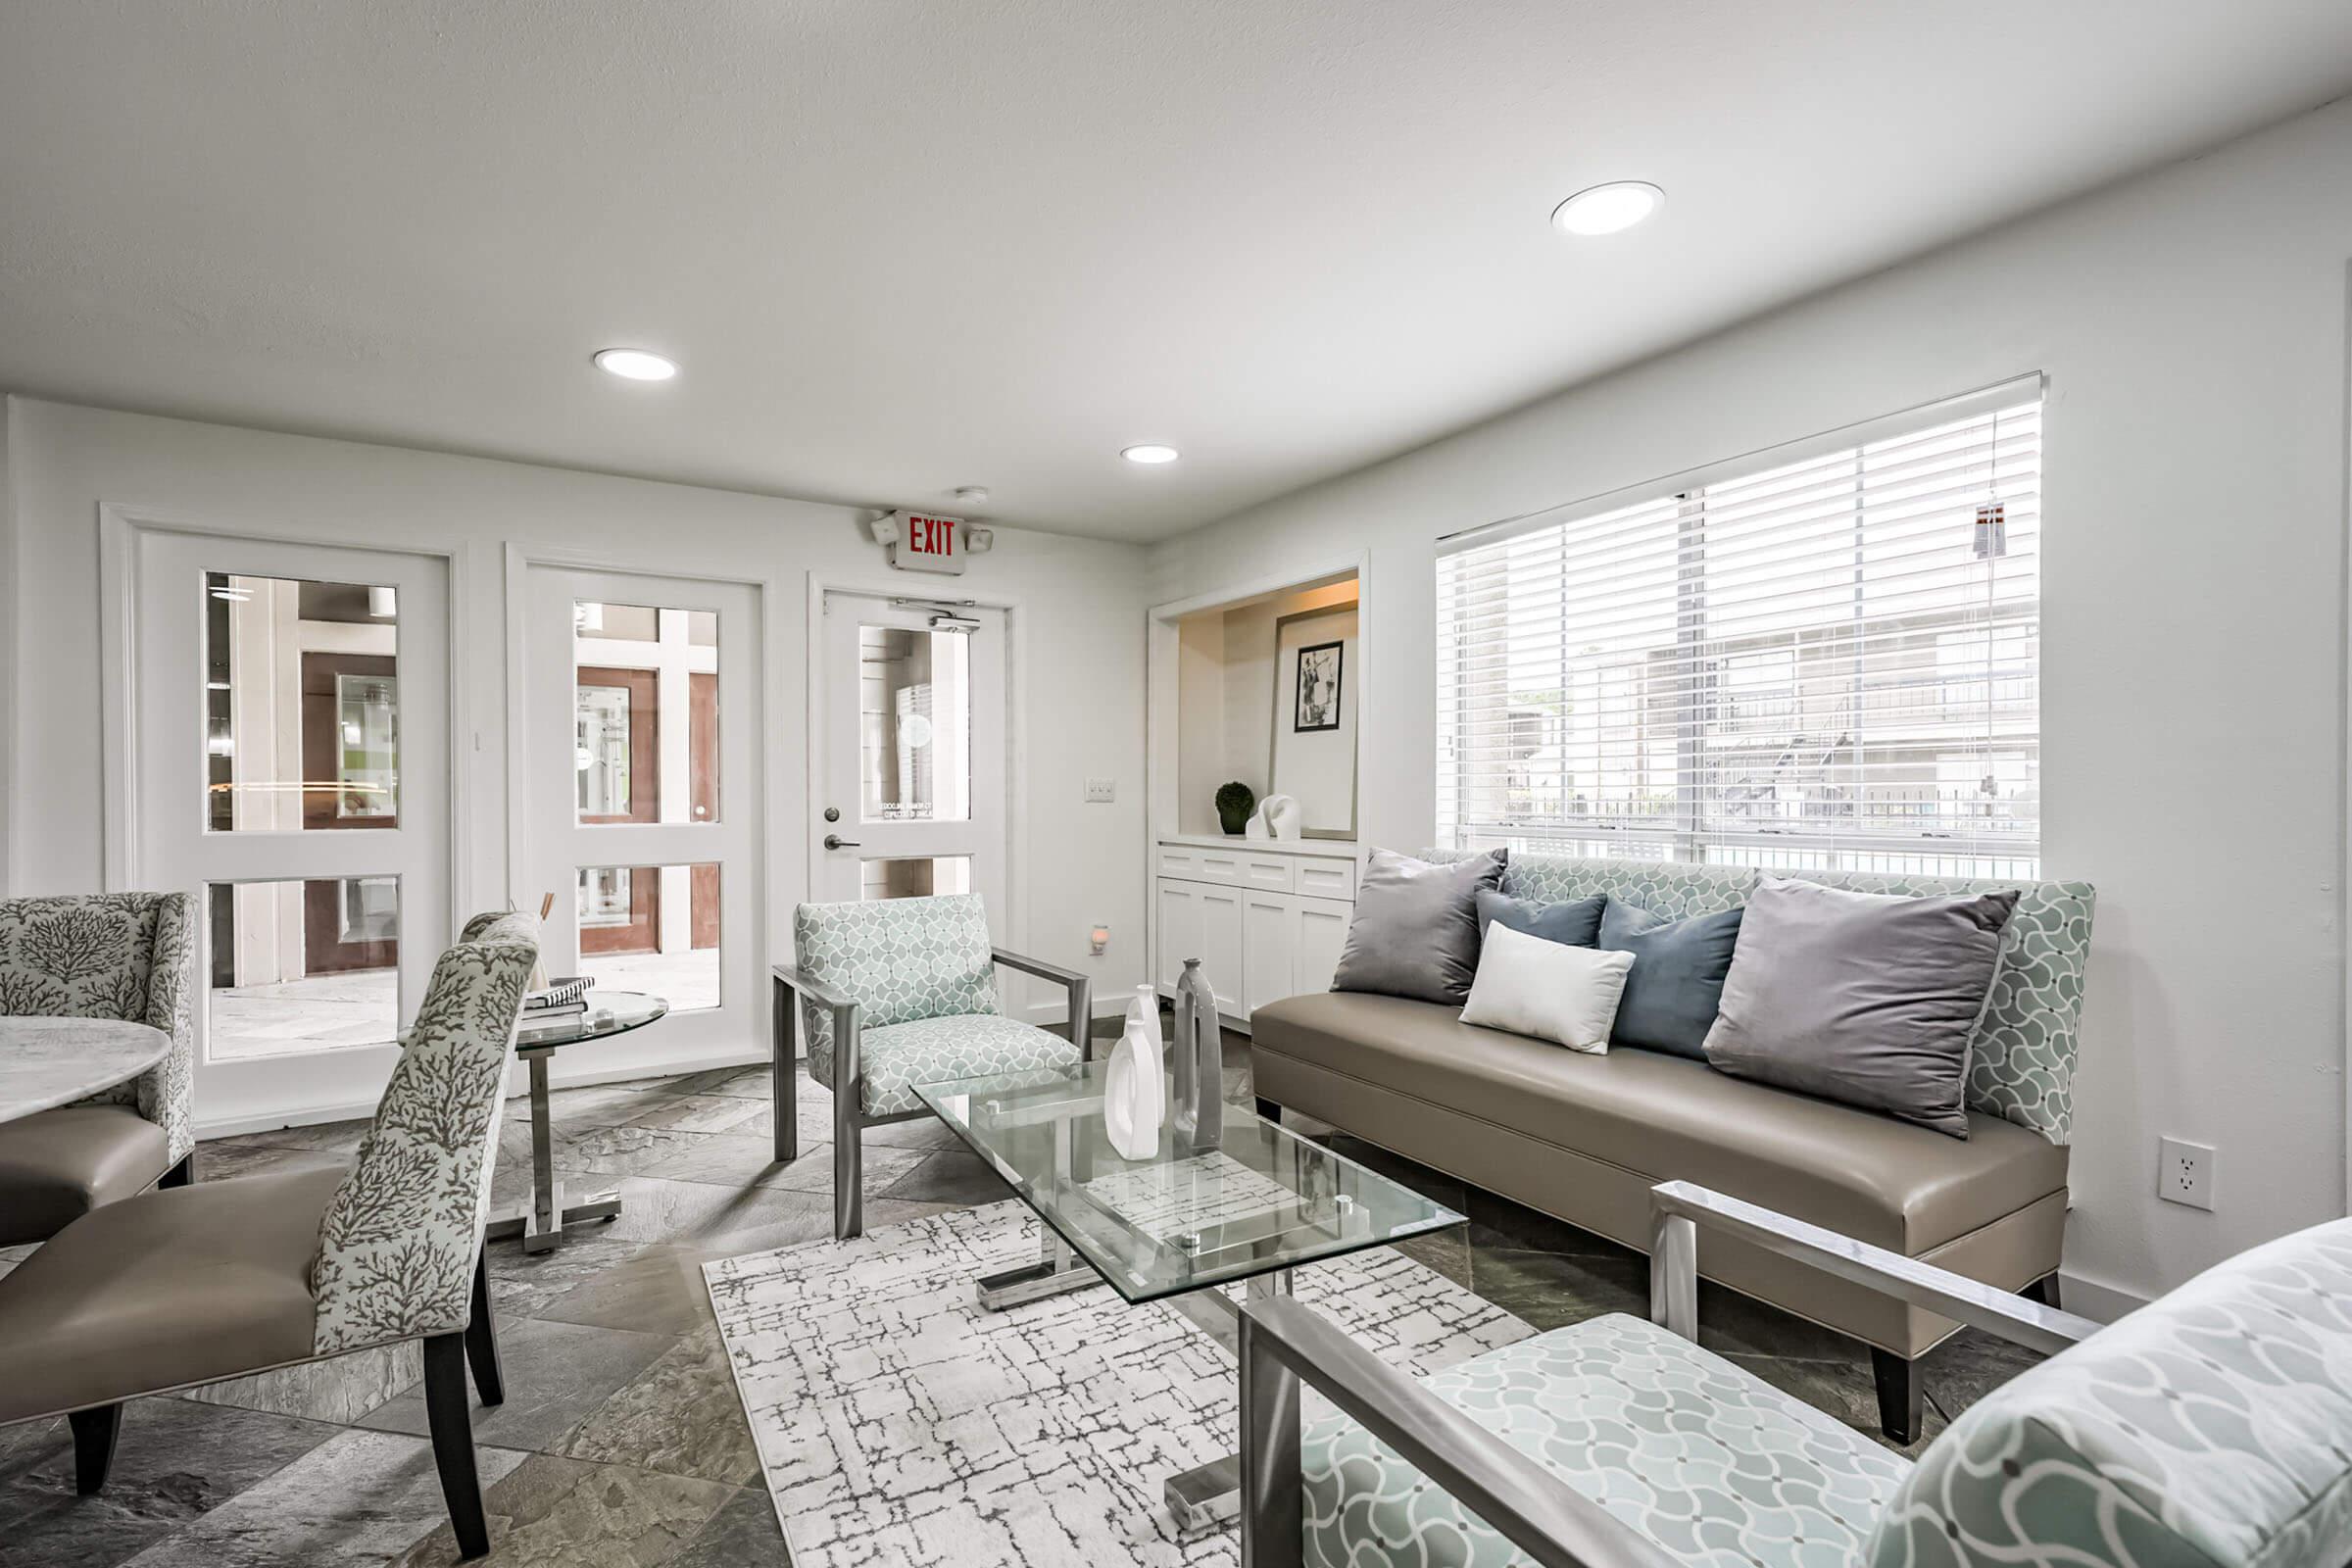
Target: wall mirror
(1313, 750)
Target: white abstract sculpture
(1135, 1096)
(1281, 815)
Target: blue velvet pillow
(1575, 924)
(1675, 984)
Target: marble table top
(47, 1063)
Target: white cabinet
(1221, 946)
(1266, 949)
(1318, 933)
(1180, 930)
(1265, 922)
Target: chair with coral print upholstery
(98, 967)
(2212, 1429)
(168, 1290)
(895, 993)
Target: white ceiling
(901, 247)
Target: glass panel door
(911, 748)
(293, 774)
(639, 812)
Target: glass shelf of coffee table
(1176, 1225)
(1259, 1200)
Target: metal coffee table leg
(541, 1226)
(1211, 1493)
(1056, 1271)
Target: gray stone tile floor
(621, 1439)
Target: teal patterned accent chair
(894, 993)
(96, 967)
(2212, 1429)
(171, 1289)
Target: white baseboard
(308, 1116)
(1046, 1012)
(516, 1083)
(2095, 1299)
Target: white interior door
(645, 801)
(910, 745)
(291, 768)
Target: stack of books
(560, 997)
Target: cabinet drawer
(1239, 868)
(1268, 873)
(1326, 879)
(1177, 860)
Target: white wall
(1078, 650)
(2192, 327)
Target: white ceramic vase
(1143, 1008)
(1135, 1096)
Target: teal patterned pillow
(2210, 1430)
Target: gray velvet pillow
(1862, 997)
(1575, 924)
(1415, 931)
(1677, 977)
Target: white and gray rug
(899, 1422)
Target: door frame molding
(120, 525)
(1016, 606)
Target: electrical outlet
(2184, 1172)
(1101, 791)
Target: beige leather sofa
(1585, 1138)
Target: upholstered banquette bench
(1585, 1138)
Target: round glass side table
(609, 1013)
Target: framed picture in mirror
(1317, 706)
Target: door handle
(834, 841)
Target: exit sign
(918, 541)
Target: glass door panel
(634, 813)
(306, 806)
(914, 724)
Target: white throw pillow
(1548, 989)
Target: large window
(1821, 663)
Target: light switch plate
(2184, 1172)
(1101, 791)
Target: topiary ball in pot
(1235, 803)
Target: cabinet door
(1269, 922)
(1179, 934)
(1221, 948)
(1319, 933)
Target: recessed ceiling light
(1608, 209)
(635, 364)
(1149, 452)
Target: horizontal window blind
(1827, 663)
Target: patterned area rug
(899, 1422)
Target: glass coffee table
(611, 1012)
(1175, 1225)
